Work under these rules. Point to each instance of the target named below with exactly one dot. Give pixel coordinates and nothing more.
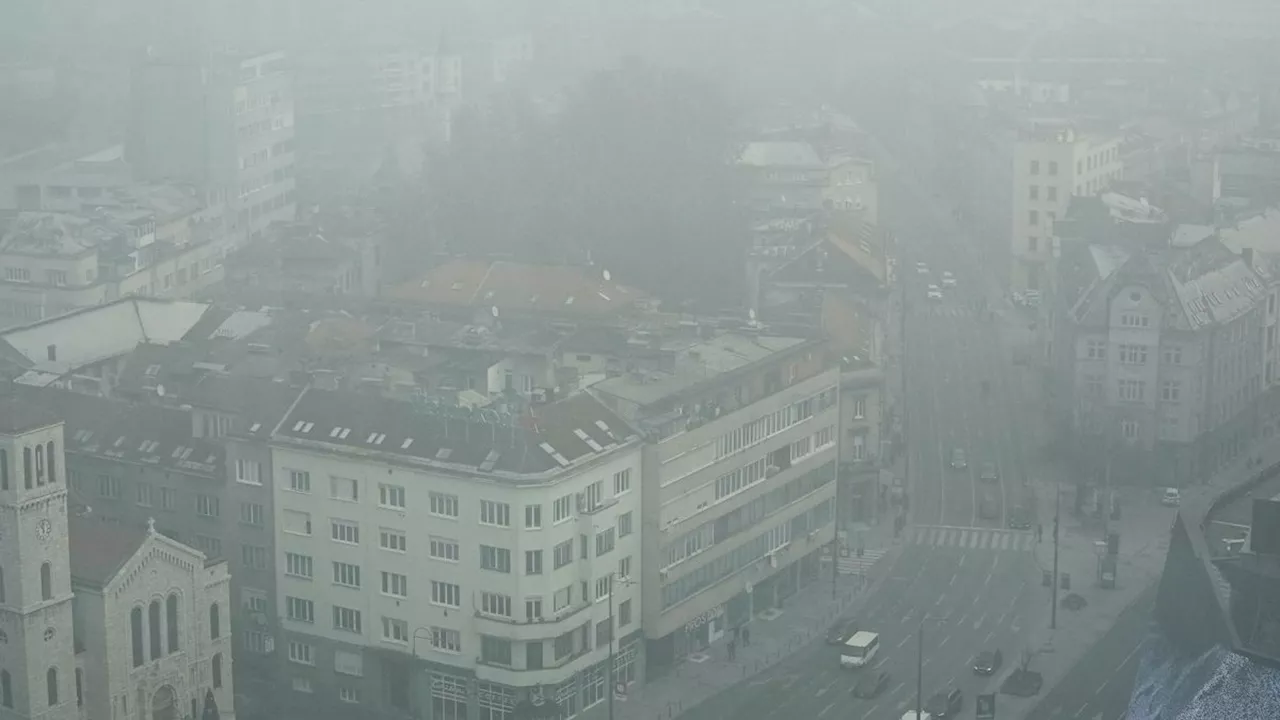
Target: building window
(51, 461)
(624, 567)
(345, 489)
(301, 653)
(442, 505)
(6, 689)
(603, 585)
(51, 686)
(300, 609)
(396, 631)
(27, 472)
(393, 540)
(446, 640)
(215, 622)
(247, 472)
(1035, 167)
(1033, 218)
(253, 556)
(171, 620)
(251, 514)
(4, 469)
(532, 517)
(495, 604)
(109, 487)
(296, 522)
(532, 562)
(297, 565)
(46, 581)
(1052, 193)
(1131, 390)
(495, 513)
(301, 684)
(346, 575)
(1033, 192)
(1129, 429)
(1171, 355)
(207, 506)
(1053, 167)
(444, 549)
(495, 558)
(1134, 320)
(563, 554)
(625, 527)
(217, 670)
(153, 630)
(561, 509)
(135, 634)
(604, 542)
(346, 619)
(446, 594)
(624, 613)
(1096, 350)
(1032, 243)
(345, 531)
(621, 481)
(533, 609)
(391, 496)
(395, 584)
(495, 650)
(1171, 390)
(1133, 354)
(300, 481)
(79, 688)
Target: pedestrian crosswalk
(854, 565)
(949, 311)
(972, 538)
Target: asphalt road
(972, 598)
(952, 347)
(1100, 683)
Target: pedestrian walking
(1039, 532)
(746, 637)
(733, 650)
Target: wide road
(952, 348)
(1099, 685)
(970, 598)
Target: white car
(1171, 498)
(935, 293)
(922, 269)
(948, 280)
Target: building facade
(449, 564)
(739, 492)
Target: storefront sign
(704, 618)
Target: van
(859, 650)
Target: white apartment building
(456, 564)
(98, 619)
(1052, 161)
(738, 484)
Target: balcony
(523, 630)
(552, 672)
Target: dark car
(989, 473)
(945, 704)
(958, 461)
(841, 631)
(1019, 518)
(871, 685)
(988, 662)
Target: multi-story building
(1052, 162)
(95, 615)
(451, 563)
(226, 126)
(738, 484)
(1158, 347)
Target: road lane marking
(826, 710)
(987, 582)
(987, 639)
(979, 622)
(941, 597)
(907, 639)
(974, 539)
(944, 640)
(952, 581)
(1124, 662)
(896, 688)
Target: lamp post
(920, 662)
(1057, 517)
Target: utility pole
(902, 340)
(835, 538)
(920, 670)
(612, 689)
(1057, 517)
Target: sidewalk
(1144, 542)
(775, 636)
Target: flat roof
(862, 638)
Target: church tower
(37, 650)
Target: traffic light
(985, 707)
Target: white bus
(859, 650)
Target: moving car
(841, 631)
(859, 649)
(988, 662)
(948, 280)
(1019, 518)
(922, 269)
(934, 293)
(945, 704)
(1171, 498)
(958, 461)
(989, 473)
(872, 685)
(911, 715)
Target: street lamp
(920, 661)
(1057, 517)
(613, 580)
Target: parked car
(934, 293)
(945, 704)
(1019, 518)
(841, 631)
(988, 662)
(948, 280)
(1172, 497)
(871, 685)
(922, 269)
(958, 460)
(989, 473)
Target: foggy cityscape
(663, 360)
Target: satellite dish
(160, 390)
(494, 310)
(607, 276)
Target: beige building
(1052, 162)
